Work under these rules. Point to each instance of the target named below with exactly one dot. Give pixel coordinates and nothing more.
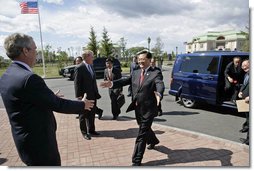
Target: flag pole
(42, 54)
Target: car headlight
(66, 70)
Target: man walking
(111, 74)
(85, 82)
(147, 90)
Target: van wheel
(188, 102)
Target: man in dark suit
(233, 78)
(244, 94)
(134, 65)
(147, 91)
(30, 104)
(110, 74)
(153, 65)
(85, 82)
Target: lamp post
(176, 50)
(149, 41)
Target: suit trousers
(145, 136)
(86, 120)
(113, 97)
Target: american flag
(29, 7)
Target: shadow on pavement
(180, 113)
(123, 134)
(2, 160)
(120, 134)
(191, 155)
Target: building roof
(225, 35)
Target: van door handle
(209, 78)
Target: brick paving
(114, 146)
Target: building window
(201, 45)
(221, 38)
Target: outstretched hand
(158, 97)
(106, 84)
(88, 103)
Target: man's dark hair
(109, 60)
(148, 54)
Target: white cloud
(69, 24)
(60, 2)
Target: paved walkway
(114, 146)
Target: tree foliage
(93, 45)
(246, 45)
(122, 44)
(157, 50)
(106, 44)
(133, 51)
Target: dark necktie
(142, 76)
(90, 70)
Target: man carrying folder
(244, 94)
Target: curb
(198, 134)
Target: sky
(67, 23)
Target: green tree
(122, 44)
(246, 45)
(157, 50)
(106, 44)
(93, 45)
(133, 51)
(47, 55)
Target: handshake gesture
(88, 103)
(106, 84)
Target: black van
(99, 65)
(199, 77)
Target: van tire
(188, 103)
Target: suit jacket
(116, 74)
(85, 83)
(143, 95)
(245, 89)
(30, 104)
(235, 73)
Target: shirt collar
(86, 63)
(147, 69)
(24, 64)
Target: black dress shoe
(244, 141)
(95, 133)
(99, 116)
(136, 164)
(87, 136)
(115, 117)
(99, 112)
(160, 113)
(244, 130)
(151, 146)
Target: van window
(200, 64)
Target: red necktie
(142, 77)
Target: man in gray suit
(30, 104)
(244, 94)
(147, 91)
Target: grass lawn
(51, 71)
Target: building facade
(226, 40)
